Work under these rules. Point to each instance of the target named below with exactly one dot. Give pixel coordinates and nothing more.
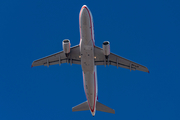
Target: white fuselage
(87, 57)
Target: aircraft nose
(84, 9)
(84, 6)
(84, 16)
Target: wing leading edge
(59, 58)
(116, 60)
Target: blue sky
(147, 32)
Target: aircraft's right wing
(60, 57)
(116, 60)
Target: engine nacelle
(66, 46)
(106, 48)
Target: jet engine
(106, 48)
(66, 46)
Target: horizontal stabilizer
(103, 108)
(81, 107)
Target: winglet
(148, 71)
(31, 66)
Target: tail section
(99, 107)
(81, 107)
(103, 108)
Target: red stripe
(94, 91)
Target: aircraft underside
(88, 56)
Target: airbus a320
(88, 55)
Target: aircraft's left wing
(116, 60)
(60, 57)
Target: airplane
(88, 56)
